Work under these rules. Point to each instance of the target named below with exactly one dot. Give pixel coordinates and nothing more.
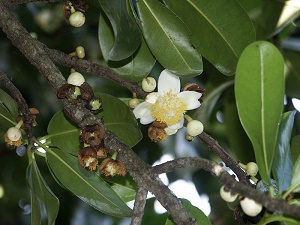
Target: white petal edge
(178, 125)
(147, 118)
(190, 98)
(152, 97)
(168, 82)
(140, 110)
(170, 131)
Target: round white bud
(76, 79)
(80, 52)
(149, 84)
(14, 134)
(133, 102)
(227, 196)
(194, 128)
(251, 169)
(250, 207)
(77, 19)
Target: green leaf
(127, 37)
(200, 217)
(117, 117)
(132, 69)
(64, 134)
(214, 32)
(293, 73)
(295, 181)
(168, 39)
(35, 210)
(42, 192)
(282, 165)
(124, 186)
(295, 148)
(86, 185)
(259, 90)
(8, 110)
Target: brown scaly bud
(110, 167)
(92, 135)
(87, 158)
(69, 91)
(156, 131)
(101, 152)
(194, 87)
(87, 92)
(33, 112)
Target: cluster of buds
(78, 90)
(93, 149)
(74, 11)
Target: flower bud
(80, 52)
(133, 102)
(149, 84)
(76, 79)
(226, 195)
(251, 169)
(250, 207)
(77, 19)
(194, 128)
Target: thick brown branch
(271, 204)
(139, 206)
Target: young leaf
(282, 164)
(135, 67)
(42, 192)
(259, 90)
(86, 185)
(127, 36)
(200, 217)
(214, 26)
(168, 39)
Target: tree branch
(234, 186)
(139, 206)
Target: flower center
(168, 108)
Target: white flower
(168, 105)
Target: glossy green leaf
(282, 165)
(295, 148)
(35, 210)
(86, 185)
(200, 217)
(214, 26)
(124, 186)
(135, 67)
(295, 182)
(259, 90)
(64, 134)
(42, 192)
(168, 39)
(117, 117)
(127, 36)
(8, 110)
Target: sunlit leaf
(86, 185)
(133, 68)
(127, 36)
(42, 192)
(259, 90)
(214, 32)
(168, 39)
(200, 217)
(283, 165)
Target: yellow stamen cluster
(168, 108)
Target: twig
(22, 105)
(139, 206)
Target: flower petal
(151, 98)
(170, 131)
(190, 98)
(140, 110)
(147, 117)
(168, 82)
(178, 125)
